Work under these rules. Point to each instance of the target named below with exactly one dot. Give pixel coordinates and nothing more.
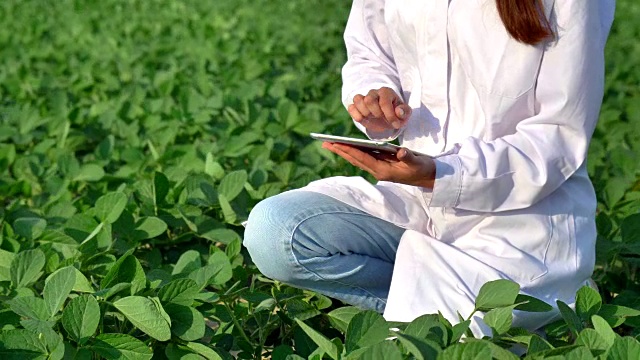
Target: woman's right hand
(380, 110)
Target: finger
(358, 101)
(388, 98)
(407, 156)
(359, 158)
(339, 150)
(372, 101)
(347, 158)
(403, 111)
(355, 114)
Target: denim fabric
(315, 242)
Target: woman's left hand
(410, 169)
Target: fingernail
(401, 112)
(396, 124)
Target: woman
(505, 96)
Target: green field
(135, 137)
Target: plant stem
(236, 323)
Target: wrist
(428, 176)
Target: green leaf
(225, 236)
(592, 340)
(281, 352)
(79, 354)
(26, 267)
(421, 349)
(365, 329)
(477, 350)
(579, 353)
(158, 277)
(458, 330)
(341, 317)
(499, 353)
(89, 172)
(161, 187)
(284, 171)
(200, 191)
(179, 291)
(570, 317)
(500, 319)
(148, 227)
(287, 113)
(614, 191)
(81, 283)
(531, 304)
(325, 344)
(213, 168)
(588, 302)
(160, 309)
(126, 270)
(207, 352)
(99, 239)
(30, 307)
(384, 350)
(45, 341)
(145, 315)
(207, 297)
(57, 288)
(188, 262)
(270, 303)
(109, 292)
(624, 348)
(301, 310)
(110, 206)
(121, 347)
(105, 148)
(29, 227)
(174, 351)
(538, 344)
(81, 317)
(233, 249)
(615, 315)
(22, 344)
(217, 272)
(37, 326)
(497, 293)
(603, 328)
(5, 264)
(186, 322)
(430, 327)
(630, 229)
(153, 193)
(228, 213)
(241, 144)
(54, 343)
(232, 184)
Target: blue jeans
(312, 241)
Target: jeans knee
(268, 241)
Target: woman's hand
(410, 169)
(380, 110)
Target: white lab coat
(509, 125)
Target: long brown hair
(525, 20)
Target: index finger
(388, 102)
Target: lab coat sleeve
(369, 65)
(518, 170)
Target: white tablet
(370, 146)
